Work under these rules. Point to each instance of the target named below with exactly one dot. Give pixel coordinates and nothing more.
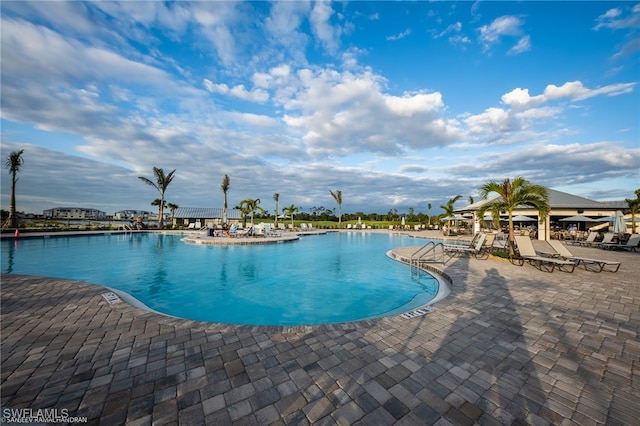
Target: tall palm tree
(291, 211)
(161, 184)
(429, 210)
(634, 208)
(225, 189)
(449, 210)
(276, 198)
(519, 192)
(13, 164)
(173, 208)
(338, 197)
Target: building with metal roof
(562, 205)
(203, 216)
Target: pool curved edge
(444, 280)
(131, 300)
(222, 241)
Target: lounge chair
(608, 239)
(232, 231)
(591, 239)
(475, 248)
(548, 264)
(631, 244)
(598, 264)
(244, 232)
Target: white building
(74, 213)
(133, 214)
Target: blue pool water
(337, 277)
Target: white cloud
(523, 45)
(400, 36)
(619, 18)
(572, 90)
(327, 34)
(239, 91)
(504, 26)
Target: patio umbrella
(454, 218)
(606, 219)
(521, 218)
(579, 218)
(619, 226)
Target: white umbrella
(619, 226)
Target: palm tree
(634, 208)
(291, 211)
(254, 207)
(225, 188)
(519, 192)
(244, 211)
(249, 206)
(161, 184)
(13, 164)
(173, 208)
(338, 197)
(449, 211)
(276, 198)
(429, 210)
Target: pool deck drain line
(111, 297)
(417, 312)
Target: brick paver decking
(510, 345)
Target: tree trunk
(13, 219)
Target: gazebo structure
(203, 216)
(562, 205)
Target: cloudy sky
(396, 104)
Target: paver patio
(510, 345)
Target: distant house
(74, 213)
(200, 217)
(132, 214)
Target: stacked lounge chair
(474, 248)
(589, 242)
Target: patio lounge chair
(548, 264)
(608, 239)
(244, 232)
(598, 264)
(591, 239)
(631, 244)
(475, 248)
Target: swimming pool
(337, 277)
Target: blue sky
(396, 104)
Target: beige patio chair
(598, 264)
(631, 244)
(591, 239)
(548, 264)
